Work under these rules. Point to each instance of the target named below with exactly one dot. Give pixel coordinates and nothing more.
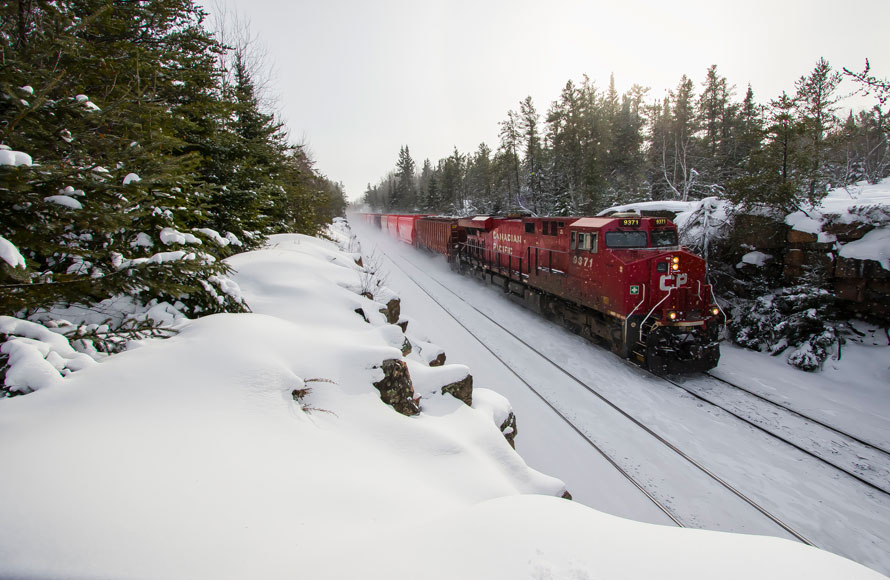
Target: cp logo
(665, 281)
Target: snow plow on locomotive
(622, 279)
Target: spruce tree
(772, 177)
(816, 105)
(405, 198)
(107, 207)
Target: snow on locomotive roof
(598, 222)
(591, 222)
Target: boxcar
(439, 234)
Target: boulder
(396, 388)
(798, 237)
(438, 361)
(406, 347)
(392, 312)
(508, 428)
(462, 389)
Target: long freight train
(623, 279)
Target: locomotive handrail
(549, 267)
(671, 289)
(550, 250)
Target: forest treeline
(136, 155)
(594, 148)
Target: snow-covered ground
(255, 445)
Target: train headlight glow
(675, 263)
(715, 311)
(672, 315)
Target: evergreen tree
(772, 177)
(717, 121)
(115, 181)
(480, 178)
(423, 188)
(679, 147)
(509, 147)
(627, 158)
(533, 159)
(816, 105)
(405, 197)
(565, 130)
(451, 186)
(750, 130)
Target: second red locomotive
(623, 278)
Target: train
(622, 280)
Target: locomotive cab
(642, 277)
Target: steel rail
(778, 436)
(801, 415)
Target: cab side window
(530, 227)
(584, 241)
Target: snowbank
(864, 202)
(255, 446)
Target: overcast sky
(355, 80)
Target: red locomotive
(623, 279)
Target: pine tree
(716, 115)
(679, 147)
(509, 147)
(533, 155)
(405, 197)
(480, 178)
(750, 130)
(816, 105)
(116, 178)
(423, 186)
(772, 176)
(627, 157)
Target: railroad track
(692, 461)
(863, 461)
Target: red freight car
(440, 234)
(399, 226)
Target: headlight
(672, 315)
(715, 311)
(675, 263)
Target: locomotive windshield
(663, 238)
(634, 239)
